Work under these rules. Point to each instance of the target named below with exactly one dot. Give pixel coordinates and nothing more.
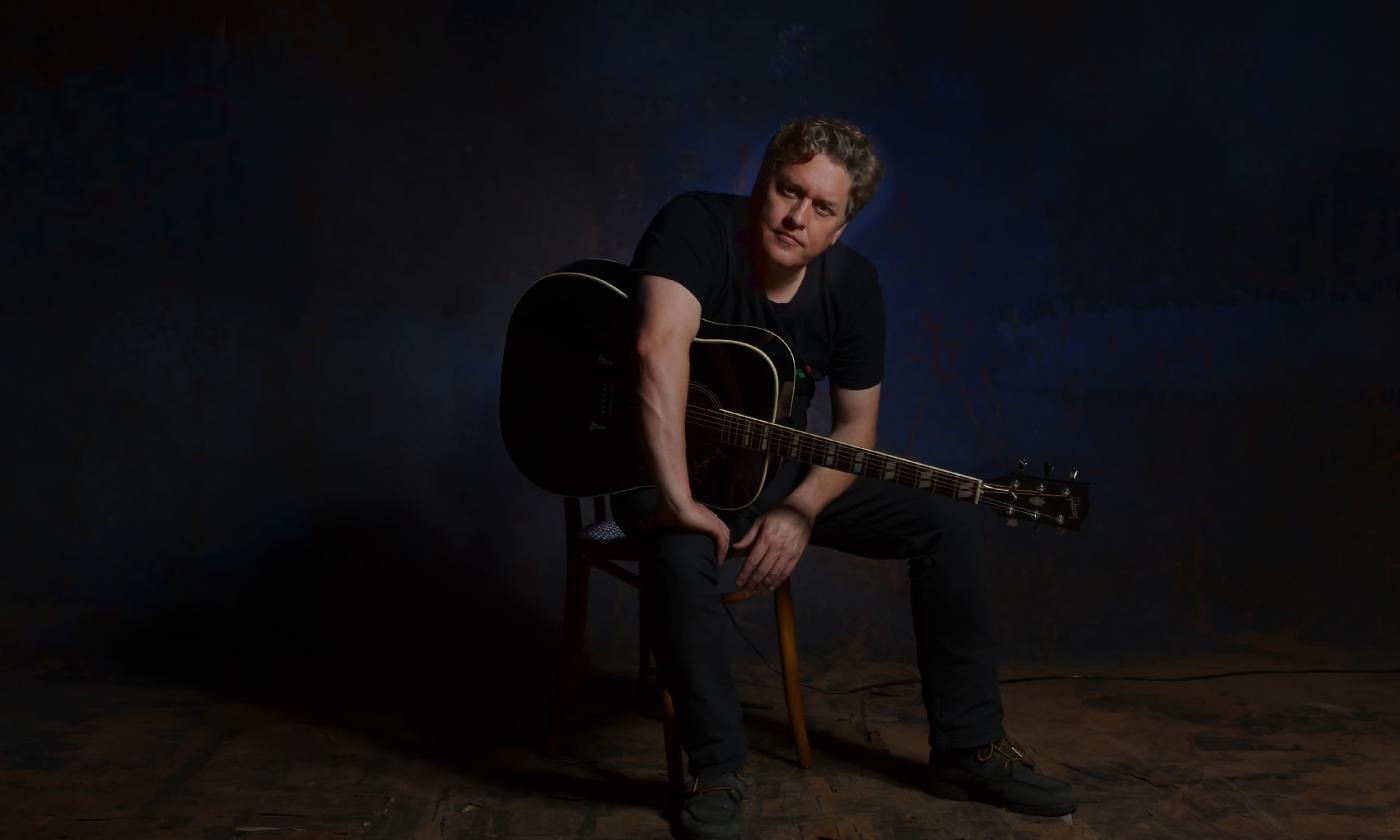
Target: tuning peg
(1074, 474)
(1021, 465)
(1049, 468)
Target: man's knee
(949, 536)
(680, 560)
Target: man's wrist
(676, 501)
(817, 491)
(803, 507)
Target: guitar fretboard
(793, 444)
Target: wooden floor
(87, 752)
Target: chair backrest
(577, 515)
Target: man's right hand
(692, 516)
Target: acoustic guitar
(568, 414)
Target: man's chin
(788, 257)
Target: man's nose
(797, 216)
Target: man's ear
(837, 235)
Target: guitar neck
(793, 444)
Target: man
(772, 260)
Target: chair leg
(792, 683)
(674, 775)
(643, 661)
(571, 649)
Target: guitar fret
(782, 441)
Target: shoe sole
(957, 794)
(690, 834)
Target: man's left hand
(774, 544)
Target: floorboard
(112, 755)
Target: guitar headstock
(1018, 496)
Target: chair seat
(603, 531)
(604, 543)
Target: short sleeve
(685, 243)
(859, 358)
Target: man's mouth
(787, 238)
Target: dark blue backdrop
(257, 263)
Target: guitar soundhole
(704, 451)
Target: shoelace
(1008, 749)
(695, 788)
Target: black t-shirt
(835, 323)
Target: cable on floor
(1048, 677)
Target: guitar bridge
(605, 399)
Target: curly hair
(798, 141)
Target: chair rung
(625, 575)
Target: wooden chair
(602, 545)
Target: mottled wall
(257, 264)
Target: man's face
(802, 210)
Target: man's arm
(668, 322)
(854, 415)
(777, 539)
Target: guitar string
(819, 454)
(817, 450)
(822, 453)
(948, 487)
(838, 452)
(911, 472)
(815, 445)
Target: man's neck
(782, 287)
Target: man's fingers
(746, 545)
(750, 576)
(719, 532)
(781, 572)
(766, 578)
(744, 572)
(721, 546)
(743, 544)
(770, 558)
(770, 567)
(742, 579)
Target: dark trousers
(953, 631)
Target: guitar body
(568, 411)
